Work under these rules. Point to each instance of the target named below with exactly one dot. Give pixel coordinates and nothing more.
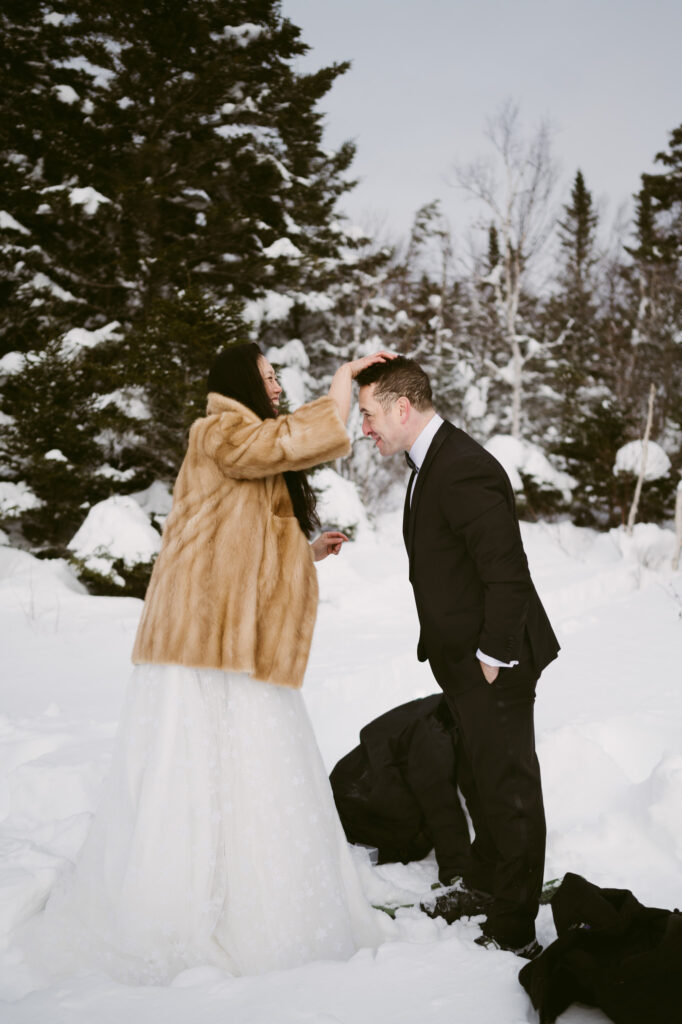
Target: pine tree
(52, 444)
(148, 152)
(176, 344)
(665, 194)
(494, 254)
(572, 322)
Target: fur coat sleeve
(246, 447)
(235, 586)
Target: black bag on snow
(612, 953)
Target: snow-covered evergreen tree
(572, 312)
(161, 165)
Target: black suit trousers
(499, 775)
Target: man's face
(384, 426)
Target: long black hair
(235, 374)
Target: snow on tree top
(242, 35)
(42, 283)
(12, 362)
(338, 504)
(130, 401)
(101, 76)
(271, 307)
(66, 94)
(262, 133)
(351, 231)
(517, 456)
(283, 247)
(79, 338)
(89, 198)
(16, 498)
(316, 302)
(111, 473)
(8, 223)
(115, 528)
(629, 460)
(155, 500)
(292, 353)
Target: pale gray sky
(427, 73)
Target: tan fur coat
(234, 586)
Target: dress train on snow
(216, 842)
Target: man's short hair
(396, 378)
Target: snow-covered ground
(609, 723)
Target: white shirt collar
(423, 442)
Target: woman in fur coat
(217, 840)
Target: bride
(217, 840)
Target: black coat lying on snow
(613, 953)
(398, 789)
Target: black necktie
(410, 463)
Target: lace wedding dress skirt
(216, 842)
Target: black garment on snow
(612, 953)
(398, 789)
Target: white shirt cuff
(493, 662)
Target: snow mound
(648, 545)
(115, 528)
(156, 500)
(517, 456)
(629, 460)
(338, 504)
(19, 570)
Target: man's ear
(404, 407)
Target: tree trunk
(642, 465)
(678, 528)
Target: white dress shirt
(422, 444)
(418, 453)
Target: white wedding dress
(216, 841)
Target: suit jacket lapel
(440, 435)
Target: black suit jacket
(468, 568)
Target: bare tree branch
(515, 184)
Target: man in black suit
(483, 630)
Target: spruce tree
(572, 325)
(162, 164)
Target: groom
(483, 630)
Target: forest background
(166, 190)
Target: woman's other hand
(328, 543)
